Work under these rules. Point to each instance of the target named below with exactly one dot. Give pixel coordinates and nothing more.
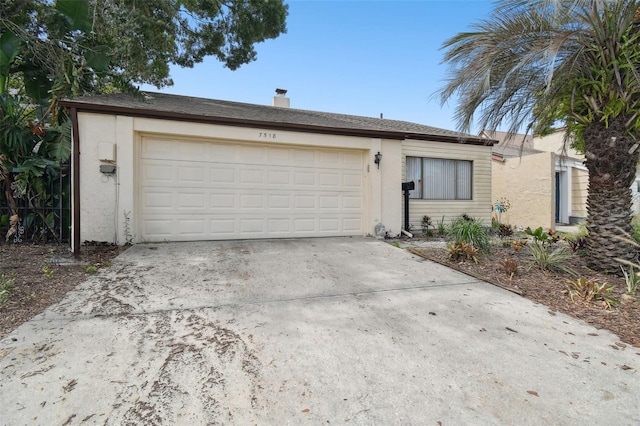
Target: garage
(194, 189)
(161, 167)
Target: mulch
(550, 288)
(42, 275)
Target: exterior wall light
(377, 157)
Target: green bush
(469, 231)
(442, 228)
(631, 279)
(549, 260)
(6, 283)
(636, 229)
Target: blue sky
(346, 56)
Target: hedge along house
(176, 168)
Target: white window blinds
(440, 179)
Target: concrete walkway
(318, 331)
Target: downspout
(75, 177)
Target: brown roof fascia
(498, 157)
(452, 139)
(171, 115)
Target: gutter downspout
(75, 177)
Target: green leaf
(59, 143)
(37, 86)
(538, 233)
(98, 58)
(28, 220)
(50, 220)
(78, 13)
(35, 166)
(9, 49)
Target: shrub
(632, 279)
(518, 244)
(426, 225)
(582, 230)
(576, 244)
(442, 228)
(577, 240)
(504, 230)
(470, 231)
(550, 260)
(636, 229)
(541, 236)
(509, 266)
(591, 290)
(6, 283)
(462, 251)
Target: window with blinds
(440, 179)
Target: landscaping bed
(550, 288)
(37, 276)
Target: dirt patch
(41, 276)
(550, 288)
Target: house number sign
(264, 135)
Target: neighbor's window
(439, 179)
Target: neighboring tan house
(545, 184)
(176, 168)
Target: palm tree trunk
(611, 158)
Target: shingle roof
(161, 105)
(509, 145)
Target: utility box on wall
(107, 152)
(107, 168)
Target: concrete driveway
(317, 331)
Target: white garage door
(201, 190)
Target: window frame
(456, 161)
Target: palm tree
(534, 63)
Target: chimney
(280, 100)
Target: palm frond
(515, 66)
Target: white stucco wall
(391, 186)
(555, 143)
(528, 182)
(106, 199)
(98, 191)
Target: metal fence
(47, 220)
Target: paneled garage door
(200, 190)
